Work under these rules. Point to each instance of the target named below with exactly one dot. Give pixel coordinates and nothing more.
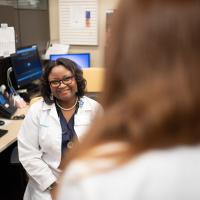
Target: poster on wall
(76, 17)
(78, 22)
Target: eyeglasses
(66, 81)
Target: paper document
(56, 48)
(7, 41)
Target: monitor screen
(81, 59)
(26, 65)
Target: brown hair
(152, 92)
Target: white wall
(97, 52)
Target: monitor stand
(32, 87)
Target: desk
(13, 127)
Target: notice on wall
(7, 40)
(78, 22)
(76, 17)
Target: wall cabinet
(30, 19)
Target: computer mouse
(2, 122)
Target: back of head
(152, 92)
(153, 71)
(150, 39)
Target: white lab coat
(39, 144)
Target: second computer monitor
(26, 65)
(82, 59)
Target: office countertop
(13, 127)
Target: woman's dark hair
(72, 67)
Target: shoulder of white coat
(38, 104)
(36, 107)
(93, 162)
(89, 104)
(77, 171)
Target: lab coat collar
(84, 104)
(52, 108)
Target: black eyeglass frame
(66, 81)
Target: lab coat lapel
(82, 118)
(83, 107)
(52, 111)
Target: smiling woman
(62, 71)
(63, 86)
(52, 125)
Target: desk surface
(13, 127)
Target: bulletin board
(78, 22)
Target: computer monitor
(82, 59)
(26, 65)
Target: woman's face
(62, 83)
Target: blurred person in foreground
(147, 146)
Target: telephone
(6, 109)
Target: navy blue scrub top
(68, 132)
